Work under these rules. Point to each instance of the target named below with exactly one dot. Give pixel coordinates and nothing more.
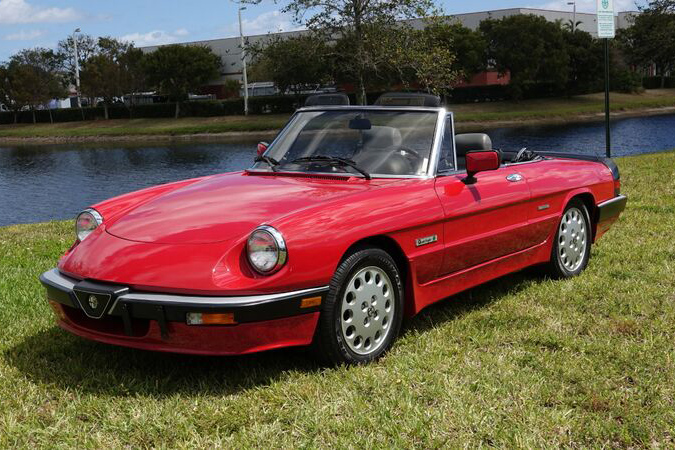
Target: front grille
(107, 324)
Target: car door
(484, 220)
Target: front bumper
(116, 314)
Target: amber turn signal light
(310, 302)
(210, 319)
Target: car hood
(229, 206)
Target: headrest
(327, 99)
(472, 141)
(382, 137)
(408, 99)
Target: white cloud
(156, 37)
(269, 22)
(24, 35)
(20, 11)
(588, 6)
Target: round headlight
(266, 250)
(87, 221)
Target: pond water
(46, 182)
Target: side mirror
(480, 161)
(262, 148)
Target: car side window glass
(447, 157)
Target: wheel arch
(392, 247)
(589, 201)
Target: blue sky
(42, 23)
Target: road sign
(605, 18)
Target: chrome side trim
(201, 301)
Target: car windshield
(359, 142)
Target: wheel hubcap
(572, 239)
(367, 310)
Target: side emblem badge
(425, 240)
(93, 302)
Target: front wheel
(572, 246)
(362, 314)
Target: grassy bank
(580, 108)
(522, 361)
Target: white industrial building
(229, 49)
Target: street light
(243, 59)
(77, 68)
(574, 15)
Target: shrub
(624, 80)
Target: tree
(530, 48)
(111, 71)
(292, 63)
(585, 62)
(9, 95)
(421, 57)
(36, 78)
(86, 48)
(468, 46)
(359, 23)
(134, 79)
(651, 38)
(176, 70)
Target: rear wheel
(572, 246)
(362, 314)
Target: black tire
(331, 342)
(559, 266)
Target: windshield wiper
(273, 163)
(333, 161)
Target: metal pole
(608, 150)
(243, 60)
(77, 69)
(574, 17)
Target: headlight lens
(87, 221)
(266, 250)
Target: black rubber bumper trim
(612, 208)
(126, 307)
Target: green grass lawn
(520, 362)
(533, 110)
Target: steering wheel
(411, 151)
(520, 154)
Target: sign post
(605, 19)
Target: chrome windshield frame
(441, 115)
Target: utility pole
(243, 60)
(574, 15)
(77, 68)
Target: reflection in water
(56, 181)
(39, 183)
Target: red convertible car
(354, 218)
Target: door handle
(514, 177)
